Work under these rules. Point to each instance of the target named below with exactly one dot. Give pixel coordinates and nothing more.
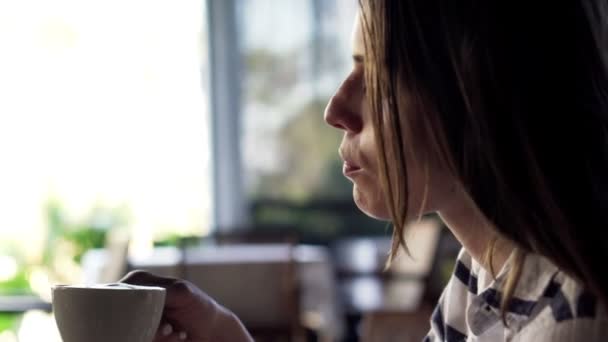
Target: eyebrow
(358, 58)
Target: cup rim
(107, 287)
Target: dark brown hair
(512, 99)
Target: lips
(350, 169)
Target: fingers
(186, 306)
(166, 333)
(147, 279)
(177, 290)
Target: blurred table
(21, 304)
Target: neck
(476, 233)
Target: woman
(495, 116)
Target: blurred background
(186, 138)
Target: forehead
(357, 36)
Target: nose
(344, 108)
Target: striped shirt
(547, 306)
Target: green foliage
(315, 224)
(89, 233)
(311, 173)
(19, 285)
(177, 240)
(9, 321)
(312, 167)
(84, 239)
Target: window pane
(295, 54)
(103, 122)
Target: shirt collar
(536, 275)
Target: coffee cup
(103, 313)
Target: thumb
(177, 290)
(143, 278)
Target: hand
(190, 314)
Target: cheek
(367, 191)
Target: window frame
(230, 208)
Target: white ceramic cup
(104, 313)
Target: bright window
(102, 112)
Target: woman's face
(349, 111)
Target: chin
(371, 203)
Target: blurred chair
(266, 234)
(396, 326)
(260, 283)
(375, 298)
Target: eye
(362, 80)
(363, 85)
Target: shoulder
(568, 312)
(589, 330)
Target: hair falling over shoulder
(511, 98)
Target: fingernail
(167, 330)
(183, 336)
